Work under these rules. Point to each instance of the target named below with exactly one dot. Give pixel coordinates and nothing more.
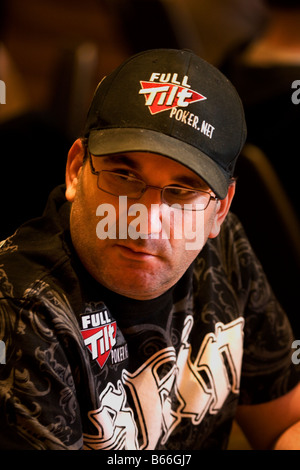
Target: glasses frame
(146, 186)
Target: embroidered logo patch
(99, 334)
(164, 92)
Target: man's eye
(181, 192)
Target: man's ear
(73, 168)
(223, 206)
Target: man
(134, 313)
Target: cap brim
(120, 140)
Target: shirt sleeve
(38, 403)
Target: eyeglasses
(117, 184)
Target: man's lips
(136, 251)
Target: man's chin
(143, 286)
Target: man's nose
(151, 201)
(154, 219)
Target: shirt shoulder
(226, 267)
(36, 250)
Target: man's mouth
(136, 252)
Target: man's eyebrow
(196, 182)
(121, 158)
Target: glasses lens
(188, 199)
(120, 185)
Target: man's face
(139, 268)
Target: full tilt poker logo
(164, 91)
(99, 334)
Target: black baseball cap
(173, 103)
